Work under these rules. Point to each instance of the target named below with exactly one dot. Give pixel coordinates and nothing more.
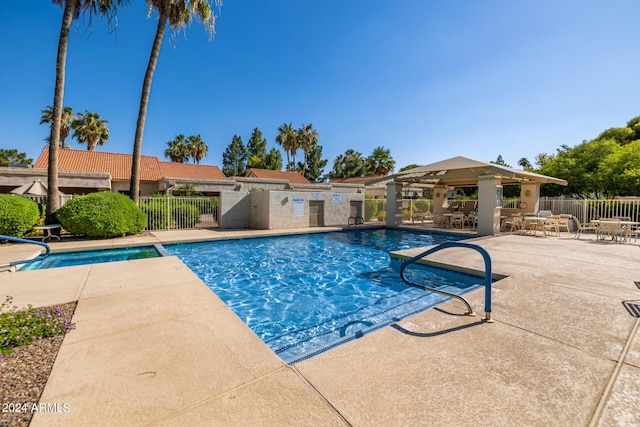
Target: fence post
(584, 211)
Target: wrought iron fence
(179, 213)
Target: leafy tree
(380, 162)
(65, 122)
(72, 10)
(348, 165)
(315, 164)
(257, 149)
(234, 158)
(176, 14)
(178, 150)
(89, 128)
(13, 157)
(500, 161)
(288, 139)
(411, 166)
(620, 170)
(307, 138)
(197, 148)
(273, 160)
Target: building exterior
(263, 199)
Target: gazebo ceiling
(464, 172)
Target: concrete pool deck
(154, 346)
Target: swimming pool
(92, 257)
(304, 294)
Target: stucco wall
(272, 210)
(235, 209)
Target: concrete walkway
(154, 346)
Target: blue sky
(427, 79)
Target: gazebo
(464, 172)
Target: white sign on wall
(298, 207)
(337, 198)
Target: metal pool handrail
(26, 261)
(487, 275)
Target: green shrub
(157, 215)
(24, 326)
(102, 216)
(17, 215)
(185, 214)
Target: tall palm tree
(89, 128)
(72, 10)
(65, 121)
(380, 162)
(177, 13)
(288, 139)
(525, 164)
(178, 150)
(197, 148)
(307, 138)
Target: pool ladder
(487, 276)
(26, 261)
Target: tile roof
(119, 165)
(184, 170)
(116, 164)
(292, 177)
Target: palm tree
(90, 129)
(380, 162)
(197, 148)
(178, 150)
(177, 13)
(288, 139)
(307, 138)
(72, 10)
(65, 122)
(525, 164)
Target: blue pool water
(304, 294)
(92, 257)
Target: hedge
(17, 215)
(102, 216)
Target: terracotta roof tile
(183, 170)
(116, 164)
(292, 177)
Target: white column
(394, 204)
(488, 213)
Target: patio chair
(565, 220)
(552, 224)
(613, 229)
(457, 219)
(584, 227)
(471, 219)
(513, 224)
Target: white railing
(179, 213)
(587, 209)
(64, 198)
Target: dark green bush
(185, 214)
(17, 215)
(102, 216)
(157, 214)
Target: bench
(47, 229)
